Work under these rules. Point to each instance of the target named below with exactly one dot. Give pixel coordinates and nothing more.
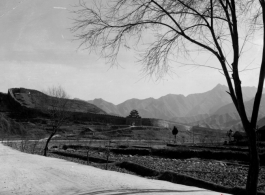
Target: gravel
(221, 173)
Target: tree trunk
(47, 142)
(253, 171)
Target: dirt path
(23, 174)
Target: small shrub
(54, 147)
(123, 146)
(64, 147)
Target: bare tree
(229, 135)
(56, 102)
(220, 28)
(175, 132)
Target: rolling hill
(34, 99)
(226, 117)
(212, 109)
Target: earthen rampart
(12, 99)
(20, 99)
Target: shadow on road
(136, 191)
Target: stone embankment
(210, 174)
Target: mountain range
(211, 109)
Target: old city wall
(155, 122)
(101, 118)
(11, 98)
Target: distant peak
(98, 99)
(219, 86)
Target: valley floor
(23, 173)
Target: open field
(198, 162)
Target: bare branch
(176, 27)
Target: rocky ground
(221, 173)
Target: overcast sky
(37, 51)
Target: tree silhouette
(56, 100)
(220, 28)
(175, 132)
(229, 134)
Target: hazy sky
(37, 51)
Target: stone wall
(155, 122)
(134, 121)
(100, 118)
(84, 116)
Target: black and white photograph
(132, 97)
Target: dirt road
(27, 174)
